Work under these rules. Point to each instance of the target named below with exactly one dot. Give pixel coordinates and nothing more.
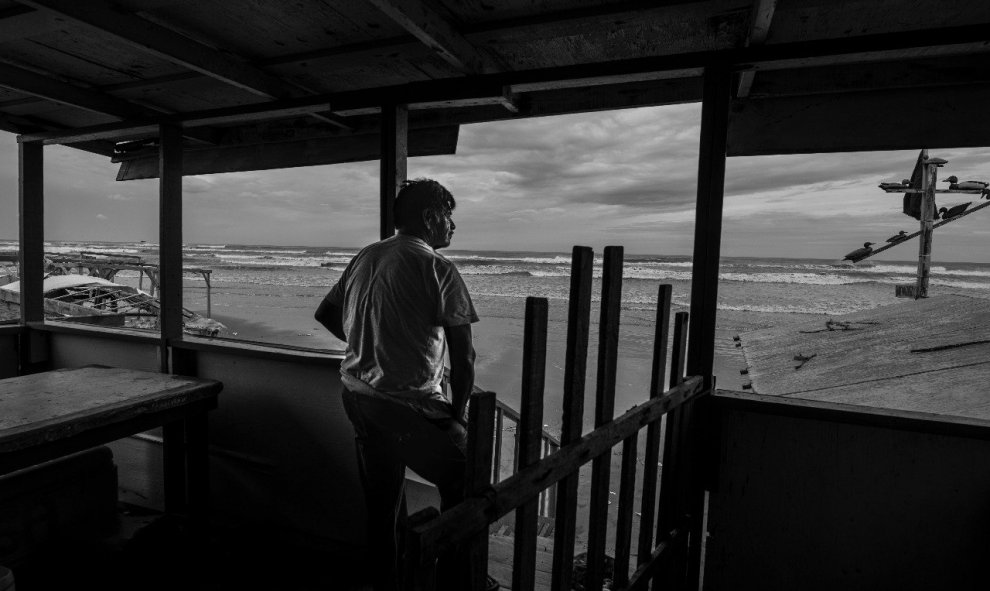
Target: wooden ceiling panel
(940, 71)
(702, 26)
(264, 29)
(69, 117)
(476, 12)
(805, 20)
(78, 53)
(194, 94)
(331, 75)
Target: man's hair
(417, 196)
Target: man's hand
(331, 317)
(460, 348)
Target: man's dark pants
(389, 437)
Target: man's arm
(332, 317)
(460, 348)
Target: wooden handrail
(474, 514)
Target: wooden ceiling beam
(49, 88)
(899, 119)
(311, 152)
(438, 34)
(21, 125)
(961, 39)
(759, 28)
(165, 43)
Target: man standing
(400, 305)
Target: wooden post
(530, 438)
(420, 570)
(704, 287)
(575, 368)
(31, 203)
(623, 524)
(478, 474)
(651, 456)
(170, 238)
(497, 460)
(929, 173)
(395, 149)
(672, 502)
(708, 220)
(601, 467)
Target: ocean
(268, 294)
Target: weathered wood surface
(575, 365)
(930, 355)
(475, 514)
(500, 561)
(45, 407)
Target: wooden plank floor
(930, 355)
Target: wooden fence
(661, 552)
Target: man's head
(423, 208)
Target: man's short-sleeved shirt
(397, 296)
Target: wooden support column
(700, 447)
(708, 221)
(170, 238)
(31, 202)
(395, 150)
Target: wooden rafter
(779, 55)
(758, 30)
(438, 34)
(23, 125)
(165, 43)
(49, 88)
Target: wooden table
(48, 415)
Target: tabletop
(53, 405)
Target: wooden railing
(661, 554)
(548, 444)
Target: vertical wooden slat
(608, 345)
(530, 431)
(497, 460)
(31, 258)
(478, 473)
(420, 573)
(651, 455)
(552, 500)
(170, 237)
(671, 477)
(394, 152)
(623, 525)
(575, 369)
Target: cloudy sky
(623, 177)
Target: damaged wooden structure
(168, 88)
